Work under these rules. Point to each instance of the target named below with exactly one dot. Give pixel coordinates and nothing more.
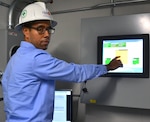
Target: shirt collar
(27, 44)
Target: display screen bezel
(144, 49)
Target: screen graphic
(131, 52)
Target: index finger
(117, 57)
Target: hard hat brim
(18, 27)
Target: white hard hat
(33, 12)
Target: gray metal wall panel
(3, 48)
(124, 92)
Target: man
(29, 78)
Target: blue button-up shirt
(29, 82)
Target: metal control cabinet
(8, 40)
(121, 92)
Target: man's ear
(25, 30)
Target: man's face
(38, 34)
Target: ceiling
(15, 8)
